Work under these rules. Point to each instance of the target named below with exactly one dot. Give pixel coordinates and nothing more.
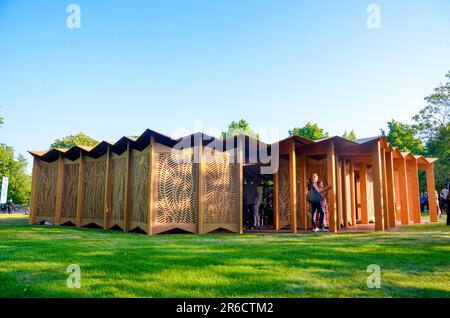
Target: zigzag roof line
(143, 141)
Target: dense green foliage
(15, 168)
(350, 136)
(74, 140)
(429, 135)
(413, 261)
(310, 131)
(241, 127)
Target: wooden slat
(303, 190)
(151, 199)
(363, 193)
(390, 188)
(384, 189)
(201, 201)
(241, 185)
(352, 194)
(80, 191)
(108, 189)
(378, 188)
(413, 190)
(331, 177)
(127, 208)
(403, 182)
(59, 190)
(34, 185)
(431, 187)
(275, 202)
(344, 193)
(293, 188)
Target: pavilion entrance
(258, 189)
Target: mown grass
(414, 261)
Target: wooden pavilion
(150, 184)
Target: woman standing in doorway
(314, 196)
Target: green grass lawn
(414, 261)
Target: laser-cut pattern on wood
(70, 191)
(94, 190)
(283, 193)
(140, 167)
(221, 189)
(176, 201)
(46, 190)
(118, 181)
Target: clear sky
(164, 64)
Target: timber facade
(150, 184)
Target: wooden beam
(80, 190)
(363, 193)
(344, 193)
(331, 177)
(275, 202)
(431, 188)
(303, 190)
(200, 171)
(34, 185)
(384, 186)
(338, 192)
(403, 186)
(108, 189)
(413, 190)
(390, 188)
(293, 187)
(151, 199)
(352, 194)
(127, 207)
(378, 188)
(59, 190)
(241, 185)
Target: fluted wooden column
(431, 188)
(352, 194)
(331, 177)
(390, 188)
(80, 191)
(303, 190)
(404, 195)
(34, 185)
(108, 188)
(378, 188)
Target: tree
(74, 140)
(241, 127)
(403, 136)
(435, 115)
(19, 188)
(350, 136)
(310, 131)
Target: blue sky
(164, 64)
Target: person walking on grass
(314, 196)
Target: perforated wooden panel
(176, 189)
(70, 191)
(140, 167)
(221, 189)
(284, 193)
(46, 190)
(94, 190)
(118, 181)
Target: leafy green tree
(19, 188)
(403, 136)
(74, 140)
(241, 127)
(349, 136)
(433, 126)
(435, 115)
(310, 131)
